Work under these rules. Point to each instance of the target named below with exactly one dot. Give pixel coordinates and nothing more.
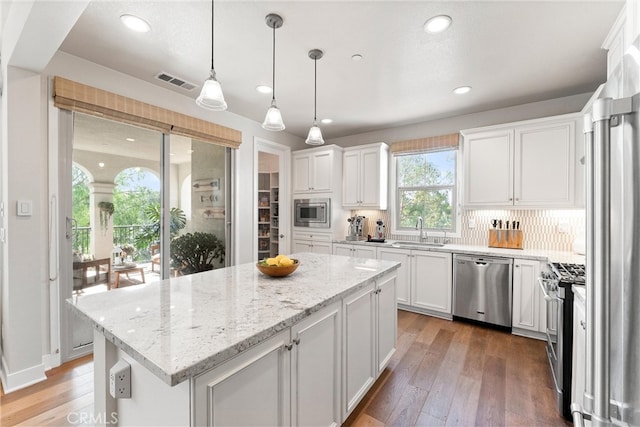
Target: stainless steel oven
(556, 286)
(312, 213)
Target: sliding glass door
(141, 206)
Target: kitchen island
(232, 346)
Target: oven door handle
(547, 297)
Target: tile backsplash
(552, 229)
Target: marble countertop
(184, 326)
(533, 254)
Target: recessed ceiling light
(356, 57)
(172, 154)
(437, 24)
(135, 23)
(264, 89)
(326, 121)
(101, 164)
(130, 139)
(462, 90)
(189, 151)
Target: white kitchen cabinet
(527, 296)
(524, 164)
(403, 282)
(258, 378)
(425, 280)
(315, 170)
(293, 378)
(312, 241)
(432, 281)
(365, 176)
(488, 164)
(316, 369)
(356, 251)
(369, 338)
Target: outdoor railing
(122, 235)
(81, 239)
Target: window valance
(431, 143)
(73, 96)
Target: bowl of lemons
(278, 266)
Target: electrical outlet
(120, 380)
(472, 223)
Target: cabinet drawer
(318, 237)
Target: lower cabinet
(529, 308)
(315, 242)
(313, 373)
(432, 281)
(315, 369)
(369, 338)
(357, 251)
(425, 279)
(258, 379)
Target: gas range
(569, 273)
(556, 284)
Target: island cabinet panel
(359, 345)
(316, 369)
(432, 281)
(251, 389)
(369, 338)
(387, 320)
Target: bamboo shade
(431, 143)
(70, 95)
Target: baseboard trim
(21, 379)
(51, 361)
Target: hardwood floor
(457, 374)
(442, 374)
(65, 398)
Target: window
(426, 187)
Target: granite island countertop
(181, 327)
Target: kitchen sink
(411, 244)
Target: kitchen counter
(184, 326)
(532, 254)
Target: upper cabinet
(525, 164)
(364, 176)
(315, 169)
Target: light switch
(24, 208)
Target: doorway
(137, 204)
(271, 199)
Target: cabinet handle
(288, 347)
(282, 236)
(510, 199)
(584, 326)
(296, 341)
(517, 265)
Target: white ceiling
(511, 52)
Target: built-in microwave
(312, 213)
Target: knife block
(509, 239)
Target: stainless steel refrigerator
(612, 143)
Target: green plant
(196, 252)
(150, 233)
(106, 210)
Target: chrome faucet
(423, 235)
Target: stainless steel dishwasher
(482, 288)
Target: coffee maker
(379, 233)
(356, 224)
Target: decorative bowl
(276, 271)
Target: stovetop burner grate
(565, 272)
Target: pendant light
(315, 135)
(211, 96)
(273, 119)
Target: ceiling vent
(176, 81)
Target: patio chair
(155, 256)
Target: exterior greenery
(426, 187)
(196, 252)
